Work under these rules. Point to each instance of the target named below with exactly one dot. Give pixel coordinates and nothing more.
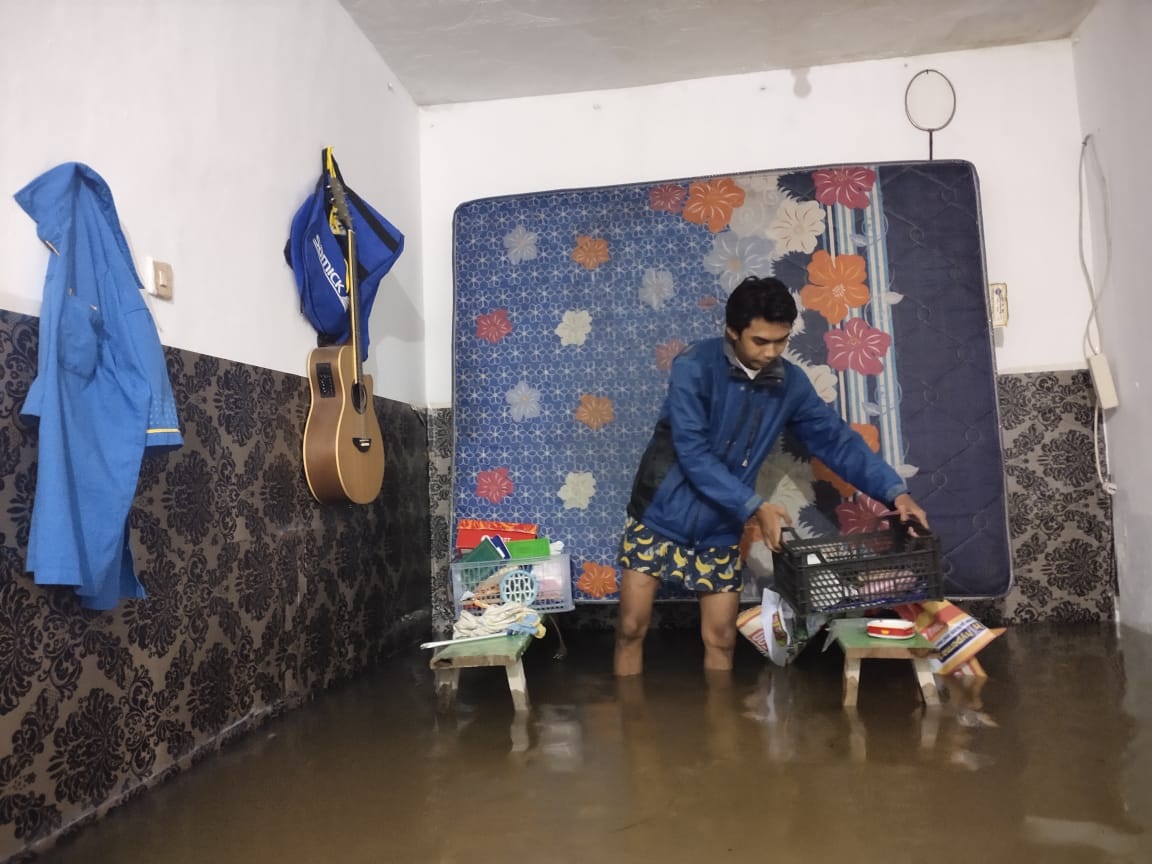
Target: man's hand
(771, 517)
(909, 509)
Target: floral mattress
(570, 306)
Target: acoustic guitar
(343, 448)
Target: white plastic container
(553, 577)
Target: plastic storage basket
(859, 571)
(543, 584)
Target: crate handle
(913, 526)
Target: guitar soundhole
(359, 398)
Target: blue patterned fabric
(570, 305)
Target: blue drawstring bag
(317, 256)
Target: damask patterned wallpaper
(1060, 520)
(1063, 560)
(258, 596)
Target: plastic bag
(775, 630)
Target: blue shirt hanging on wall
(101, 393)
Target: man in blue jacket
(728, 401)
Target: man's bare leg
(637, 591)
(718, 627)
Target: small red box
(469, 532)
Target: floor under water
(1050, 761)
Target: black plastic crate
(899, 564)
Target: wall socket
(998, 303)
(158, 278)
(1102, 381)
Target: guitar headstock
(342, 217)
(340, 202)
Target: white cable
(1106, 482)
(1094, 296)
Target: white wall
(1016, 120)
(1113, 71)
(207, 120)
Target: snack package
(956, 635)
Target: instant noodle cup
(748, 623)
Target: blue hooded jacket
(696, 481)
(101, 393)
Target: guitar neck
(354, 303)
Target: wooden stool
(504, 651)
(858, 645)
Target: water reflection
(1048, 759)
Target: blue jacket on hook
(101, 393)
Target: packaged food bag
(956, 635)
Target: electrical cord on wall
(1093, 295)
(1091, 349)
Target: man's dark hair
(759, 297)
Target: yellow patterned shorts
(711, 571)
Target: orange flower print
(820, 471)
(835, 285)
(870, 434)
(668, 351)
(494, 326)
(597, 580)
(494, 485)
(594, 411)
(711, 203)
(708, 301)
(590, 252)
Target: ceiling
(472, 50)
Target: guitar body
(343, 447)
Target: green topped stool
(505, 650)
(857, 645)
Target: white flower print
(521, 244)
(578, 489)
(752, 218)
(785, 480)
(575, 327)
(799, 325)
(797, 225)
(734, 258)
(824, 381)
(524, 400)
(657, 287)
(764, 185)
